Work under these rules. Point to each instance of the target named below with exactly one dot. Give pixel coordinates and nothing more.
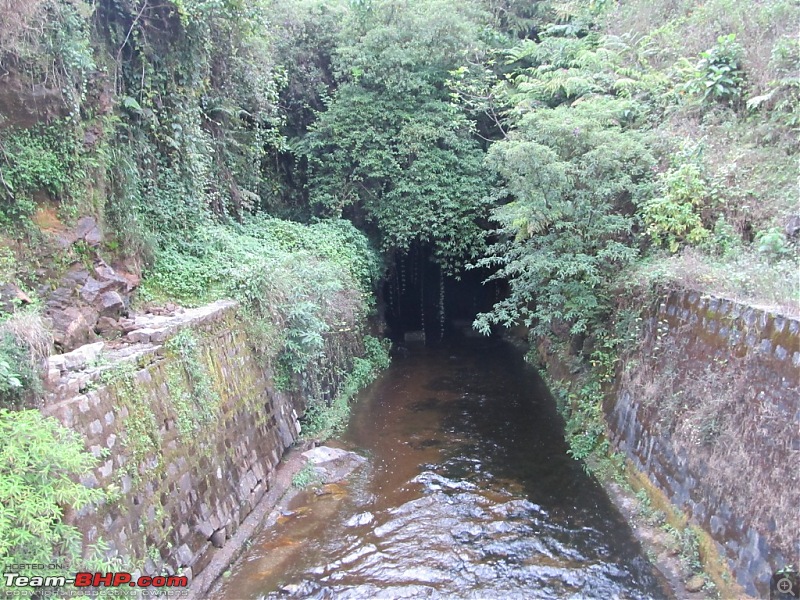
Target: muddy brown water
(468, 493)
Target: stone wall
(186, 483)
(708, 409)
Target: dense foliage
(39, 460)
(390, 144)
(264, 149)
(572, 179)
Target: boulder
(110, 304)
(88, 231)
(695, 584)
(76, 277)
(59, 299)
(11, 295)
(70, 328)
(92, 289)
(108, 326)
(792, 228)
(111, 279)
(333, 464)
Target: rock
(333, 464)
(110, 304)
(323, 454)
(126, 325)
(206, 529)
(10, 295)
(792, 228)
(360, 520)
(70, 328)
(140, 336)
(80, 357)
(185, 556)
(92, 289)
(108, 326)
(76, 276)
(111, 279)
(60, 299)
(695, 583)
(88, 230)
(217, 538)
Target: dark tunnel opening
(423, 303)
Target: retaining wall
(185, 484)
(709, 409)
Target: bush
(24, 346)
(717, 76)
(19, 381)
(304, 289)
(39, 462)
(673, 217)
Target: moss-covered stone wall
(708, 409)
(188, 433)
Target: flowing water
(468, 493)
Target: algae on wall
(187, 434)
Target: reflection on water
(468, 493)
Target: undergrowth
(324, 419)
(40, 462)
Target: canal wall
(708, 408)
(188, 428)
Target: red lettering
(104, 579)
(177, 581)
(144, 581)
(121, 578)
(83, 579)
(159, 581)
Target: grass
(305, 477)
(747, 277)
(25, 344)
(29, 330)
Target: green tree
(570, 176)
(391, 151)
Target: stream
(468, 493)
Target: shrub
(304, 289)
(772, 243)
(717, 76)
(39, 461)
(24, 346)
(673, 217)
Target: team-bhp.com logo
(88, 580)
